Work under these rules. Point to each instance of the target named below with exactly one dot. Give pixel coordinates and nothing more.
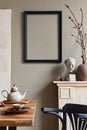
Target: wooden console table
(71, 92)
(21, 119)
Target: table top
(18, 119)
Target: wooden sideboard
(71, 92)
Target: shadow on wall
(49, 97)
(59, 71)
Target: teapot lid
(14, 88)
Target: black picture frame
(27, 16)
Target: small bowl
(18, 106)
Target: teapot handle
(3, 93)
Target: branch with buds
(81, 37)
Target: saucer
(15, 111)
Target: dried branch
(81, 37)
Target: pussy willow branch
(72, 14)
(81, 37)
(82, 17)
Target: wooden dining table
(10, 120)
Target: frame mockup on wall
(43, 36)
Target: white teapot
(14, 95)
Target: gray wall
(37, 78)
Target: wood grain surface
(11, 102)
(18, 119)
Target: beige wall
(5, 49)
(37, 78)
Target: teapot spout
(23, 96)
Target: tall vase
(82, 72)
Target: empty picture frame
(43, 36)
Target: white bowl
(18, 106)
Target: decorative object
(82, 72)
(70, 77)
(81, 39)
(70, 64)
(13, 96)
(42, 36)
